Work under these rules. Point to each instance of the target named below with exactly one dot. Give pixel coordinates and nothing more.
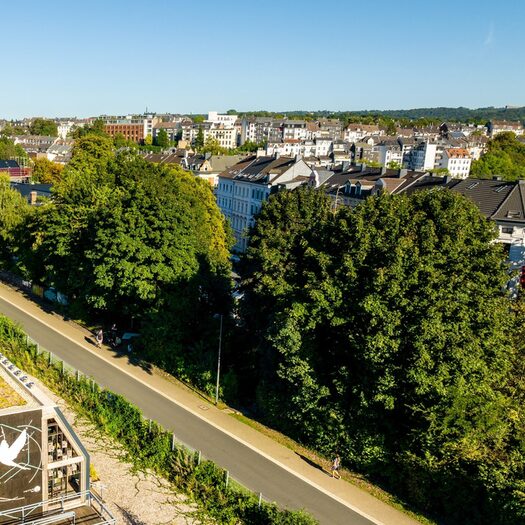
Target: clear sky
(86, 58)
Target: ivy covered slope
(383, 334)
(130, 241)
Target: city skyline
(88, 60)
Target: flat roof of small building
(20, 388)
(9, 397)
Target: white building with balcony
(244, 187)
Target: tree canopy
(162, 139)
(13, 211)
(10, 150)
(129, 240)
(42, 126)
(382, 333)
(505, 157)
(46, 171)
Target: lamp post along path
(218, 365)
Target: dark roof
(488, 195)
(5, 164)
(496, 199)
(42, 190)
(255, 169)
(427, 182)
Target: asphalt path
(244, 464)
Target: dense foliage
(148, 445)
(14, 210)
(10, 150)
(133, 242)
(428, 115)
(505, 157)
(46, 171)
(42, 126)
(382, 334)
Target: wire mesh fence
(198, 457)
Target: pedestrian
(113, 334)
(336, 463)
(99, 337)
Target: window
(507, 229)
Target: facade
(295, 130)
(501, 126)
(457, 161)
(135, 129)
(357, 132)
(243, 188)
(172, 129)
(422, 157)
(44, 468)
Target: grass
(325, 464)
(8, 397)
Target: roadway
(255, 471)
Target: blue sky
(85, 58)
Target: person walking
(99, 337)
(336, 463)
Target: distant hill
(461, 114)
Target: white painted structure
(457, 161)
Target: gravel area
(136, 498)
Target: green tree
(98, 127)
(129, 239)
(391, 128)
(41, 126)
(199, 140)
(162, 139)
(46, 171)
(212, 146)
(13, 212)
(10, 150)
(383, 333)
(505, 157)
(394, 165)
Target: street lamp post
(218, 365)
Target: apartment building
(135, 129)
(457, 161)
(243, 188)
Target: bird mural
(8, 454)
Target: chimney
(402, 173)
(32, 198)
(497, 177)
(363, 166)
(383, 170)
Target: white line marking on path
(200, 416)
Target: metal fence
(66, 368)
